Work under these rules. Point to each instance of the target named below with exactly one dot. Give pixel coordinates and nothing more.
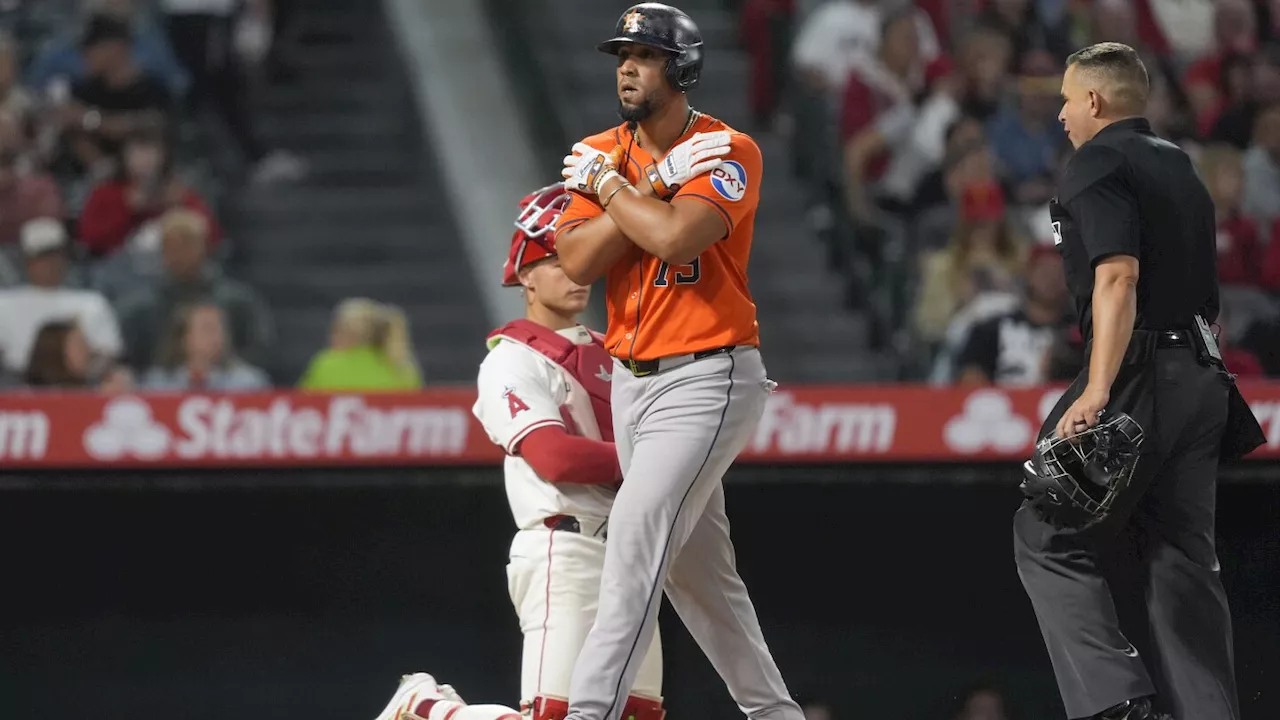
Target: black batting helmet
(1080, 477)
(666, 28)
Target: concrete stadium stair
(372, 218)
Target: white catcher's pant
(554, 581)
(677, 433)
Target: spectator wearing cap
(1025, 135)
(146, 315)
(196, 355)
(26, 308)
(1013, 349)
(145, 188)
(115, 98)
(984, 255)
(25, 192)
(62, 62)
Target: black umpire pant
(1158, 545)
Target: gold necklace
(693, 117)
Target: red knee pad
(643, 708)
(549, 707)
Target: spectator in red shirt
(145, 190)
(1239, 252)
(1235, 28)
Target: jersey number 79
(682, 278)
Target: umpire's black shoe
(1138, 709)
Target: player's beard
(640, 112)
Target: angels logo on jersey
(514, 403)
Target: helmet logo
(631, 23)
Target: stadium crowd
(113, 262)
(927, 136)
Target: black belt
(640, 368)
(1172, 338)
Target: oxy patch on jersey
(730, 180)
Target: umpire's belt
(640, 368)
(578, 526)
(1143, 342)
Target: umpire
(1135, 227)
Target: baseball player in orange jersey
(664, 207)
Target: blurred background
(264, 201)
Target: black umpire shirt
(1128, 192)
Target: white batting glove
(586, 168)
(699, 154)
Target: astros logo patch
(730, 180)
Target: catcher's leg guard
(546, 707)
(643, 708)
(549, 707)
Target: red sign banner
(801, 424)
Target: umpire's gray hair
(1119, 67)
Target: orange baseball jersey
(656, 310)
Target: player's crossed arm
(592, 237)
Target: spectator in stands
(879, 110)
(26, 308)
(1235, 33)
(965, 136)
(203, 34)
(146, 187)
(1026, 136)
(62, 62)
(1023, 22)
(146, 315)
(984, 58)
(1239, 252)
(840, 35)
(984, 255)
(26, 193)
(1239, 106)
(196, 356)
(115, 98)
(1013, 348)
(369, 349)
(62, 360)
(1262, 173)
(13, 97)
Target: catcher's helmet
(1081, 476)
(534, 238)
(666, 28)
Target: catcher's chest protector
(590, 364)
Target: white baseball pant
(554, 581)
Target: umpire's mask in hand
(1077, 479)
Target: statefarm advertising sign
(801, 424)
